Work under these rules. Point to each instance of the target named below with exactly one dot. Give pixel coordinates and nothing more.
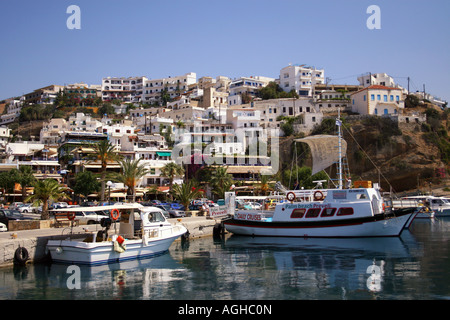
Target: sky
(233, 38)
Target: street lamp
(109, 184)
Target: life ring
(115, 214)
(290, 196)
(21, 255)
(318, 195)
(71, 216)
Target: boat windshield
(156, 217)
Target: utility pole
(408, 85)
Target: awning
(164, 153)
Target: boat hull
(374, 226)
(98, 253)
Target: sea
(257, 271)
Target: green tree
(132, 172)
(105, 153)
(106, 108)
(86, 183)
(186, 192)
(221, 181)
(45, 190)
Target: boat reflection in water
(314, 265)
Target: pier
(35, 240)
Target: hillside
(401, 157)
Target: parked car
(28, 208)
(7, 214)
(15, 205)
(177, 206)
(88, 204)
(59, 205)
(84, 216)
(155, 202)
(176, 213)
(3, 227)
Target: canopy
(163, 153)
(324, 150)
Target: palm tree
(264, 185)
(221, 181)
(25, 178)
(104, 152)
(132, 172)
(186, 192)
(45, 190)
(171, 170)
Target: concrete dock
(35, 240)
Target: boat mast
(338, 124)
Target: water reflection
(413, 266)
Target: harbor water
(414, 266)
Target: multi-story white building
(153, 88)
(13, 107)
(43, 95)
(52, 132)
(381, 79)
(82, 122)
(378, 100)
(128, 90)
(301, 79)
(246, 85)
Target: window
(397, 98)
(345, 212)
(372, 97)
(385, 98)
(313, 213)
(328, 212)
(391, 97)
(298, 213)
(378, 97)
(364, 97)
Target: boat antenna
(338, 124)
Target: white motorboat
(440, 206)
(143, 232)
(327, 213)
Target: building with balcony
(246, 87)
(153, 88)
(301, 78)
(127, 90)
(43, 95)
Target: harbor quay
(35, 240)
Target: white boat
(343, 213)
(143, 232)
(440, 206)
(325, 213)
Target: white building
(13, 107)
(52, 132)
(175, 86)
(128, 90)
(247, 85)
(378, 100)
(82, 122)
(301, 79)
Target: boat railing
(406, 203)
(158, 232)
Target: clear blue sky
(229, 37)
